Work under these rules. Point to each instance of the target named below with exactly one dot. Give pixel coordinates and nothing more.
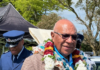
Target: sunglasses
(66, 36)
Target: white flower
(37, 50)
(46, 55)
(49, 63)
(59, 64)
(81, 65)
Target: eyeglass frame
(68, 35)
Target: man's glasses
(66, 36)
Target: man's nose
(69, 40)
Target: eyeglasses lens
(66, 36)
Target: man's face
(64, 45)
(15, 50)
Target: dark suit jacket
(8, 64)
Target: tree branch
(90, 23)
(70, 8)
(87, 9)
(97, 30)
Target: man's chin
(13, 52)
(65, 54)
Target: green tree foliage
(85, 47)
(2, 44)
(4, 3)
(32, 10)
(28, 42)
(48, 21)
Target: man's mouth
(67, 47)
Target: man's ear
(52, 35)
(22, 41)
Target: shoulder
(28, 51)
(32, 62)
(5, 54)
(35, 57)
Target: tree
(48, 21)
(28, 43)
(32, 10)
(85, 47)
(2, 44)
(92, 10)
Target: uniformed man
(14, 58)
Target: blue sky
(71, 16)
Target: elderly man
(14, 58)
(57, 55)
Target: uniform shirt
(0, 64)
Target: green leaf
(43, 58)
(76, 66)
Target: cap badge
(9, 40)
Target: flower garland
(49, 58)
(79, 63)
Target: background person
(80, 38)
(14, 58)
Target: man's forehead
(66, 30)
(64, 24)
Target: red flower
(76, 59)
(49, 44)
(76, 52)
(48, 48)
(48, 52)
